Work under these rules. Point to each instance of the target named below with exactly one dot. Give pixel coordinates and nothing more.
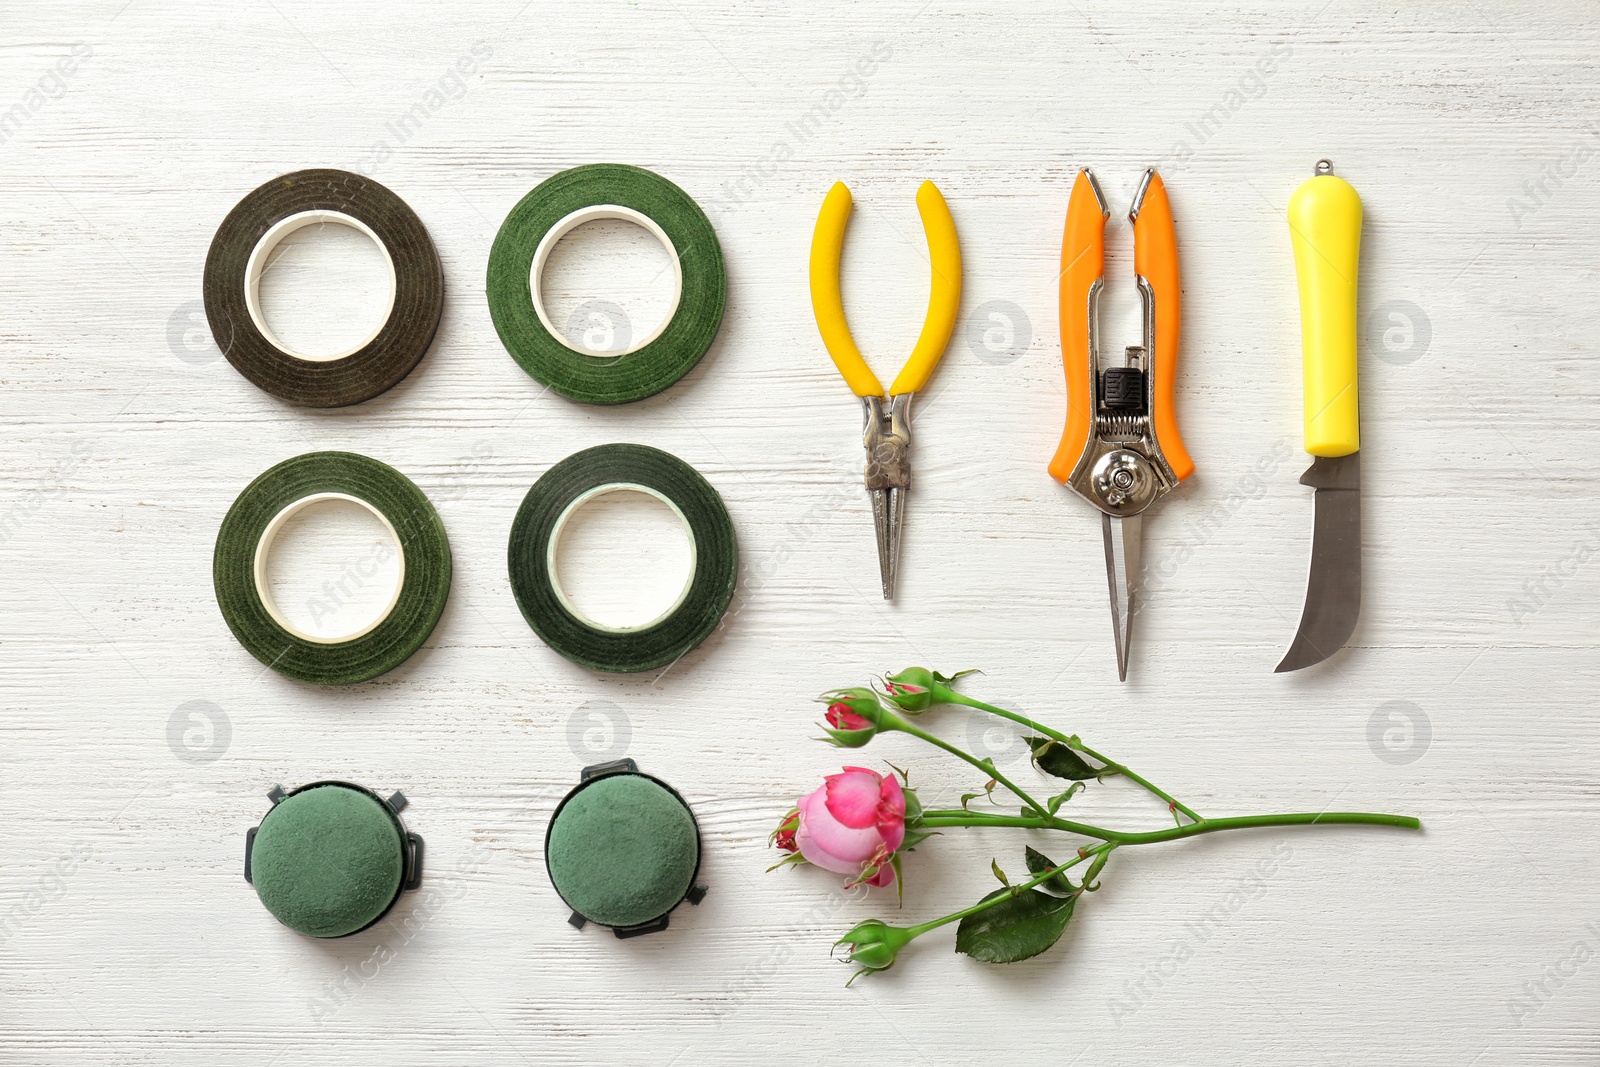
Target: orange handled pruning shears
(1120, 449)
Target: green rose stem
(944, 694)
(934, 924)
(1201, 825)
(891, 721)
(940, 817)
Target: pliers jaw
(886, 434)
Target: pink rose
(854, 824)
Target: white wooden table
(126, 932)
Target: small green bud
(912, 689)
(874, 944)
(916, 689)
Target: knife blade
(1333, 588)
(1325, 230)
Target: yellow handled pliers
(888, 418)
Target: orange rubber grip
(1083, 263)
(1155, 259)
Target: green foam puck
(585, 194)
(622, 850)
(328, 860)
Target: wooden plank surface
(126, 933)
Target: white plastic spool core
(263, 250)
(595, 213)
(559, 529)
(264, 549)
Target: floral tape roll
(536, 535)
(245, 541)
(557, 206)
(239, 253)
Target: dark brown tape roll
(399, 344)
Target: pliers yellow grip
(887, 435)
(944, 250)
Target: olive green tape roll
(239, 253)
(567, 200)
(536, 531)
(238, 567)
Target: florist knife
(1325, 228)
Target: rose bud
(874, 944)
(912, 689)
(783, 836)
(853, 716)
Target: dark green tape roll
(377, 365)
(328, 860)
(710, 589)
(635, 375)
(423, 589)
(622, 850)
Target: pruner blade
(1122, 571)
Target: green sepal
(788, 861)
(1054, 803)
(913, 802)
(848, 738)
(1095, 867)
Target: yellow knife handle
(944, 295)
(827, 245)
(1325, 228)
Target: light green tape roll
(564, 488)
(584, 194)
(238, 567)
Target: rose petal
(885, 876)
(829, 844)
(842, 718)
(852, 797)
(891, 813)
